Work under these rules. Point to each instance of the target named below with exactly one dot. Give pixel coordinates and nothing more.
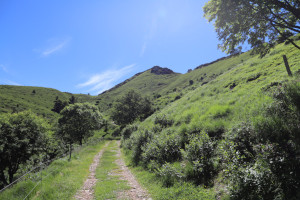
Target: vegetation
(256, 21)
(107, 174)
(229, 129)
(22, 136)
(77, 122)
(60, 180)
(130, 107)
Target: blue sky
(89, 46)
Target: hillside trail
(87, 191)
(136, 191)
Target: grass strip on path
(109, 184)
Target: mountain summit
(159, 70)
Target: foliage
(131, 107)
(59, 105)
(163, 121)
(127, 131)
(255, 21)
(77, 122)
(72, 100)
(199, 152)
(170, 174)
(22, 136)
(162, 148)
(264, 160)
(60, 180)
(138, 140)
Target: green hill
(40, 100)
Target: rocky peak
(159, 70)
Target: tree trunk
(2, 178)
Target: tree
(77, 122)
(58, 105)
(22, 136)
(72, 100)
(260, 22)
(131, 107)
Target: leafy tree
(59, 105)
(260, 22)
(22, 136)
(72, 100)
(77, 122)
(131, 107)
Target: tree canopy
(22, 135)
(77, 121)
(260, 22)
(131, 107)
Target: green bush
(138, 140)
(170, 173)
(263, 159)
(162, 148)
(127, 131)
(163, 121)
(199, 152)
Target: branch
(288, 39)
(289, 7)
(289, 25)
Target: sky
(89, 46)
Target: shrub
(162, 148)
(138, 140)
(163, 121)
(170, 173)
(199, 152)
(265, 157)
(127, 131)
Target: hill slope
(40, 100)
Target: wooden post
(287, 66)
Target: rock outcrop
(159, 70)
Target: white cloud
(106, 80)
(55, 46)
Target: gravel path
(136, 192)
(87, 191)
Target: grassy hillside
(194, 138)
(38, 99)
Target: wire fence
(43, 167)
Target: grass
(38, 99)
(62, 179)
(109, 184)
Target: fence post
(287, 65)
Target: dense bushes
(265, 155)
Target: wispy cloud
(144, 47)
(8, 82)
(3, 68)
(55, 46)
(106, 80)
